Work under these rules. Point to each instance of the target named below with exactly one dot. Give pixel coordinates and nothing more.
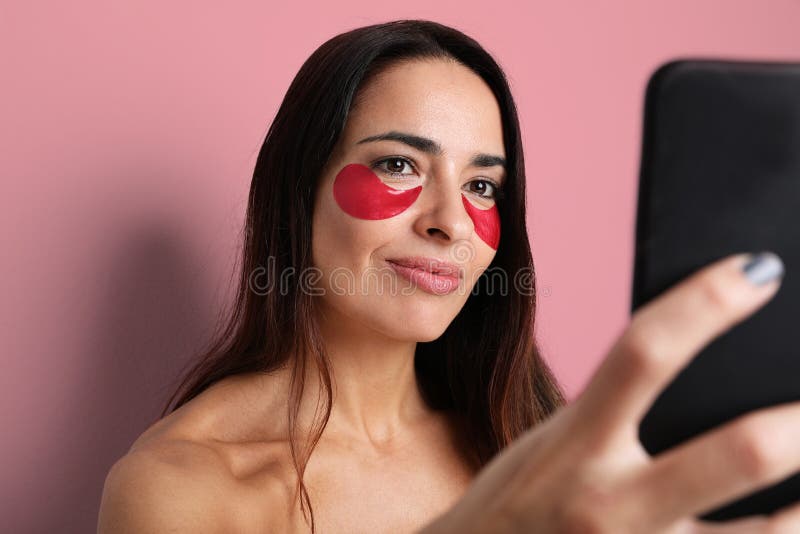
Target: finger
(719, 466)
(665, 334)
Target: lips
(432, 265)
(429, 274)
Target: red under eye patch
(487, 222)
(360, 193)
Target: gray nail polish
(763, 267)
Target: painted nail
(763, 267)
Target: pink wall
(128, 134)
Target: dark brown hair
(486, 366)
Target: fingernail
(763, 267)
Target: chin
(419, 329)
(430, 336)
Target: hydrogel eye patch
(361, 194)
(486, 222)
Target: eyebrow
(429, 146)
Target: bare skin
(386, 462)
(233, 441)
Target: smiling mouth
(429, 264)
(429, 274)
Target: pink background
(129, 132)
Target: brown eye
(484, 188)
(394, 166)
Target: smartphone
(719, 175)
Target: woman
(380, 354)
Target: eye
(396, 164)
(393, 166)
(486, 189)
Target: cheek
(487, 222)
(361, 194)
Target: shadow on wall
(153, 317)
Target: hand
(584, 471)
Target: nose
(443, 216)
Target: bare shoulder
(175, 487)
(180, 476)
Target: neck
(376, 397)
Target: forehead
(439, 99)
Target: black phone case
(720, 174)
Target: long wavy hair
(486, 367)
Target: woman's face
(428, 194)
